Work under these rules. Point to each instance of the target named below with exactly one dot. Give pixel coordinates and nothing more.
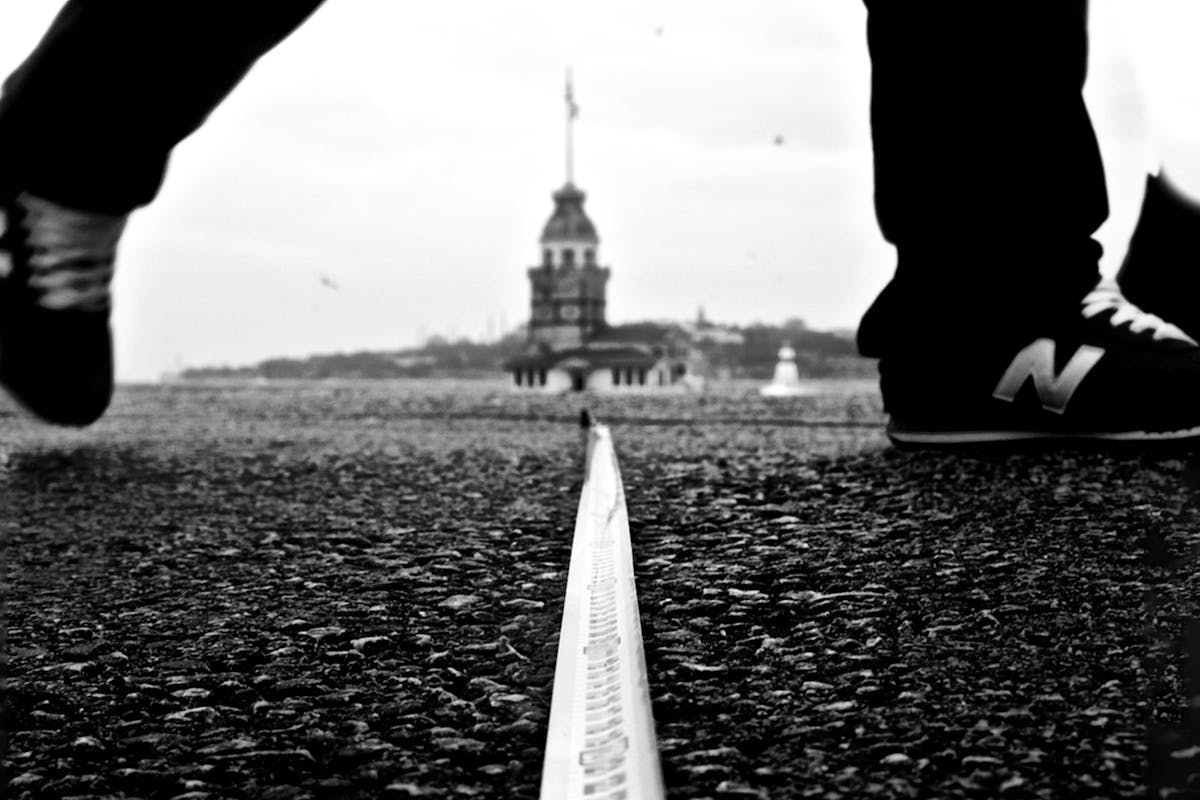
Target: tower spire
(572, 113)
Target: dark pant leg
(1159, 271)
(988, 177)
(89, 119)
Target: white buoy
(786, 381)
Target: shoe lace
(72, 255)
(1107, 296)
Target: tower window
(568, 257)
(616, 375)
(517, 376)
(547, 257)
(642, 377)
(629, 376)
(542, 377)
(589, 256)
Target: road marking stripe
(601, 744)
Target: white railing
(600, 744)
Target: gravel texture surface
(345, 590)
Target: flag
(572, 106)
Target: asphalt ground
(354, 590)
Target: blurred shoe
(1161, 269)
(1109, 372)
(56, 264)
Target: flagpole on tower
(572, 113)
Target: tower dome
(569, 222)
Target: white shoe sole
(901, 436)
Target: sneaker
(56, 264)
(1109, 373)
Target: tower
(568, 288)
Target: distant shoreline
(484, 384)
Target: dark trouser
(90, 118)
(988, 177)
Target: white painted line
(600, 744)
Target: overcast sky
(384, 174)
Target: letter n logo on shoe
(1037, 361)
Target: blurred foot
(56, 264)
(1107, 372)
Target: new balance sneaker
(55, 344)
(1109, 373)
